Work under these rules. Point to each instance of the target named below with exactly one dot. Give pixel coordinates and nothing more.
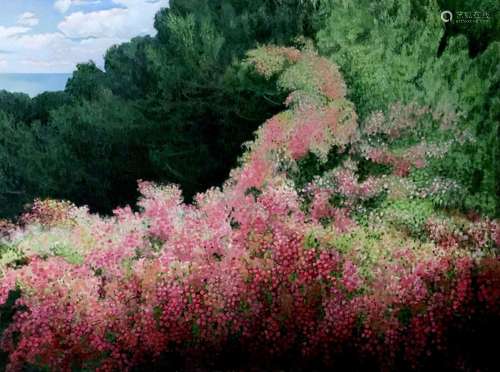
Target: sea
(33, 84)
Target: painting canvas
(249, 185)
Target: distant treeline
(178, 106)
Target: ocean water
(33, 84)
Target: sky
(52, 36)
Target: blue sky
(47, 36)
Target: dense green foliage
(174, 108)
(177, 106)
(400, 51)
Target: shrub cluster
(263, 267)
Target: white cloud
(135, 19)
(28, 19)
(104, 23)
(81, 36)
(51, 52)
(50, 41)
(6, 32)
(64, 5)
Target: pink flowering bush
(262, 268)
(48, 213)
